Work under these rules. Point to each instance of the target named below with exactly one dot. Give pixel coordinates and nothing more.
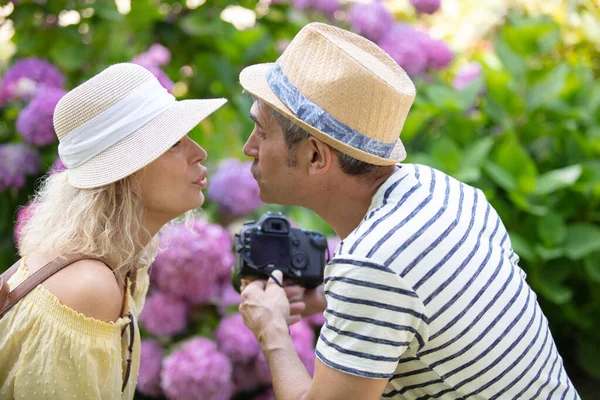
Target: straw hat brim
(254, 80)
(143, 146)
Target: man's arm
(267, 302)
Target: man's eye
(261, 134)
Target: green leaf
(446, 155)
(592, 266)
(525, 204)
(548, 88)
(582, 239)
(522, 247)
(414, 123)
(588, 354)
(513, 157)
(552, 229)
(500, 176)
(557, 179)
(549, 254)
(511, 60)
(555, 292)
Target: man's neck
(344, 203)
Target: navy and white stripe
(427, 293)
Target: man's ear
(320, 156)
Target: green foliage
(527, 133)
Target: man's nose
(251, 148)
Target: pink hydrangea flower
(150, 365)
(164, 314)
(197, 371)
(235, 339)
(371, 20)
(439, 55)
(193, 262)
(234, 188)
(466, 74)
(23, 215)
(405, 45)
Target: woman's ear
(321, 156)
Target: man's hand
(295, 298)
(265, 304)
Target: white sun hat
(118, 122)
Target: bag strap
(39, 276)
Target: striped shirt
(427, 293)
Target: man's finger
(257, 284)
(297, 308)
(294, 292)
(277, 274)
(293, 319)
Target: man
(424, 296)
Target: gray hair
(294, 134)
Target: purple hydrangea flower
(150, 362)
(261, 369)
(17, 161)
(327, 7)
(332, 244)
(244, 378)
(35, 121)
(371, 20)
(194, 261)
(466, 74)
(21, 81)
(405, 45)
(233, 187)
(439, 55)
(228, 297)
(164, 314)
(236, 340)
(426, 6)
(302, 4)
(197, 371)
(303, 338)
(160, 54)
(148, 62)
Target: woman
(130, 170)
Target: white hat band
(120, 120)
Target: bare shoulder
(88, 287)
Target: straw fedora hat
(341, 88)
(118, 122)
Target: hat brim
(143, 146)
(254, 80)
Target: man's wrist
(274, 336)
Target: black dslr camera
(269, 244)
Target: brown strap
(38, 277)
(4, 288)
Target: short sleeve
(373, 316)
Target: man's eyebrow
(253, 118)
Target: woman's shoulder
(86, 286)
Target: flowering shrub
(516, 115)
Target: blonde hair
(104, 222)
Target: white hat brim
(143, 146)
(254, 80)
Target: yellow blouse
(50, 351)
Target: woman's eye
(176, 144)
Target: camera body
(272, 244)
